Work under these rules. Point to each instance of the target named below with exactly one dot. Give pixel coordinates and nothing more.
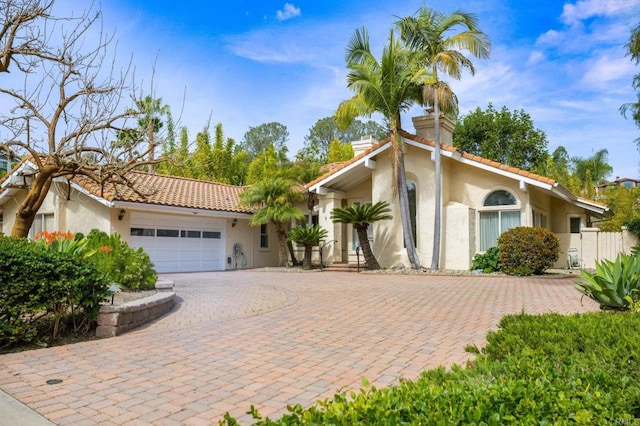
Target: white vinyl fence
(594, 245)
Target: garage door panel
(179, 243)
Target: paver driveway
(272, 339)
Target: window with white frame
(264, 236)
(575, 224)
(42, 222)
(539, 219)
(413, 212)
(500, 213)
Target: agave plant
(615, 284)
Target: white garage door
(179, 243)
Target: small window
(142, 232)
(539, 219)
(167, 233)
(211, 234)
(190, 234)
(574, 225)
(500, 198)
(264, 236)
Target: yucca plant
(615, 284)
(309, 236)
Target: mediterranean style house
(190, 225)
(185, 225)
(480, 200)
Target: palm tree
(388, 87)
(274, 200)
(360, 217)
(309, 236)
(151, 122)
(430, 34)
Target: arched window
(500, 212)
(411, 191)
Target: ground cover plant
(536, 369)
(488, 261)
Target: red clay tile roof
(170, 191)
(444, 147)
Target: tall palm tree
(389, 87)
(360, 217)
(151, 122)
(309, 236)
(432, 36)
(274, 200)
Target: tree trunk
(370, 260)
(306, 261)
(435, 260)
(292, 253)
(29, 207)
(282, 242)
(405, 216)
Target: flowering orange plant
(105, 249)
(50, 237)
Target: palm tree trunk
(435, 260)
(370, 260)
(306, 261)
(282, 242)
(292, 253)
(405, 216)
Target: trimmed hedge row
(547, 369)
(36, 282)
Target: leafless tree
(65, 113)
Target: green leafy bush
(129, 268)
(546, 369)
(38, 283)
(614, 284)
(526, 251)
(633, 226)
(488, 261)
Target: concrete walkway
(270, 339)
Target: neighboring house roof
(155, 189)
(352, 172)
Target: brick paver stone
(272, 339)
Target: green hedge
(526, 251)
(541, 370)
(38, 283)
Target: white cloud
(536, 57)
(290, 11)
(551, 37)
(603, 69)
(584, 9)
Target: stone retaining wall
(114, 320)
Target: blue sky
(243, 63)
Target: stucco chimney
(363, 144)
(424, 127)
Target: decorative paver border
(114, 320)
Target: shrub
(38, 283)
(488, 261)
(544, 369)
(614, 284)
(526, 251)
(129, 268)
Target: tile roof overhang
(358, 168)
(153, 192)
